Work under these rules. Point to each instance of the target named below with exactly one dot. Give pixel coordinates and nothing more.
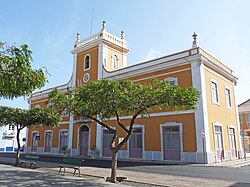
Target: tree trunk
(18, 148)
(114, 167)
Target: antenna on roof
(92, 21)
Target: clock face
(86, 77)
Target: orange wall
(152, 136)
(93, 52)
(41, 130)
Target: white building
(8, 141)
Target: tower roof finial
(122, 35)
(194, 40)
(104, 25)
(77, 37)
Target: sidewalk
(232, 163)
(142, 177)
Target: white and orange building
(244, 118)
(165, 135)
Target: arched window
(173, 81)
(87, 62)
(38, 106)
(115, 62)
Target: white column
(101, 54)
(70, 133)
(201, 113)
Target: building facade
(8, 141)
(208, 134)
(244, 118)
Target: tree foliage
(104, 99)
(17, 78)
(22, 118)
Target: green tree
(21, 118)
(104, 99)
(17, 78)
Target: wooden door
(171, 143)
(84, 140)
(135, 143)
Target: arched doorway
(84, 140)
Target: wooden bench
(74, 163)
(31, 160)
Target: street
(219, 173)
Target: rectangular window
(11, 127)
(48, 141)
(34, 141)
(248, 120)
(231, 133)
(218, 142)
(214, 89)
(240, 119)
(63, 140)
(228, 98)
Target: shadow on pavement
(12, 176)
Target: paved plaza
(46, 174)
(16, 176)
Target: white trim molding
(143, 139)
(169, 124)
(78, 137)
(223, 144)
(44, 142)
(213, 100)
(230, 97)
(84, 62)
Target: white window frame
(170, 124)
(232, 127)
(247, 122)
(113, 61)
(37, 106)
(45, 141)
(33, 132)
(11, 127)
(212, 81)
(240, 119)
(175, 79)
(59, 141)
(143, 137)
(85, 69)
(101, 146)
(78, 138)
(230, 97)
(223, 142)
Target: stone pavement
(11, 176)
(151, 179)
(232, 163)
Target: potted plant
(64, 150)
(93, 151)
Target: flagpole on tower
(92, 21)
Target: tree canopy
(22, 118)
(17, 78)
(103, 99)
